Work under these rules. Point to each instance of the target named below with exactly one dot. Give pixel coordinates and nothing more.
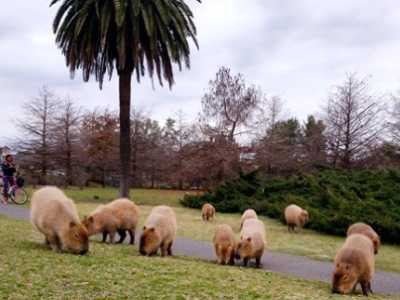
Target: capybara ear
(144, 227)
(151, 229)
(72, 224)
(249, 239)
(91, 219)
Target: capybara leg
(232, 259)
(164, 251)
(54, 243)
(364, 288)
(169, 249)
(258, 262)
(46, 241)
(369, 287)
(122, 235)
(132, 235)
(112, 237)
(245, 262)
(104, 236)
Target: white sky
(297, 49)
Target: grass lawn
(140, 196)
(308, 243)
(28, 270)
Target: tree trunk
(125, 130)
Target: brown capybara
(120, 215)
(368, 231)
(224, 244)
(354, 263)
(248, 214)
(207, 212)
(295, 217)
(159, 231)
(56, 217)
(252, 241)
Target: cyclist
(8, 168)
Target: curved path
(303, 267)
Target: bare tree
(37, 128)
(228, 105)
(352, 117)
(394, 122)
(67, 138)
(99, 134)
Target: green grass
(307, 243)
(28, 270)
(140, 196)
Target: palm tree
(131, 36)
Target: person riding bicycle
(9, 169)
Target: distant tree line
(238, 128)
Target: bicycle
(16, 193)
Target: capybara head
(76, 240)
(90, 225)
(149, 241)
(244, 248)
(305, 217)
(377, 243)
(344, 278)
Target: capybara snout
(77, 241)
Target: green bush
(334, 198)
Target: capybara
(252, 241)
(207, 212)
(295, 217)
(248, 214)
(56, 217)
(159, 231)
(120, 215)
(368, 231)
(354, 263)
(224, 244)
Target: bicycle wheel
(19, 196)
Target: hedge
(335, 199)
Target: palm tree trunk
(125, 130)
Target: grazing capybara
(295, 217)
(56, 217)
(354, 263)
(120, 215)
(368, 231)
(159, 231)
(248, 214)
(207, 212)
(224, 244)
(252, 241)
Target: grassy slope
(309, 243)
(140, 196)
(29, 271)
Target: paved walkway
(303, 267)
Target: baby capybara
(248, 214)
(252, 241)
(56, 217)
(159, 231)
(368, 231)
(120, 215)
(207, 212)
(354, 263)
(295, 217)
(224, 244)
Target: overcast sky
(297, 49)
